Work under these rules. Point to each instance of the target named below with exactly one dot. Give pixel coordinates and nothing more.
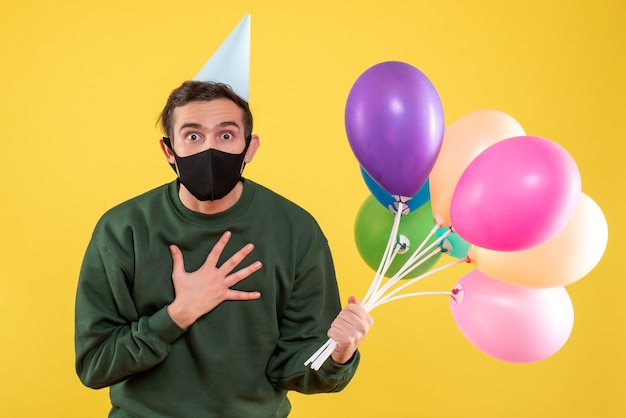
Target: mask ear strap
(168, 143)
(248, 140)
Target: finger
(216, 251)
(242, 274)
(359, 320)
(230, 264)
(241, 295)
(177, 260)
(354, 318)
(347, 333)
(354, 306)
(351, 314)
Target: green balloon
(372, 228)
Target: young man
(205, 296)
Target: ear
(169, 154)
(254, 145)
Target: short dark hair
(201, 91)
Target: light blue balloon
(453, 245)
(391, 202)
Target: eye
(192, 136)
(226, 136)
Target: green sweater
(240, 359)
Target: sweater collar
(215, 220)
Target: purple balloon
(394, 123)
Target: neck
(210, 207)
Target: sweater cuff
(330, 367)
(162, 325)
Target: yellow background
(82, 85)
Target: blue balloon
(390, 201)
(453, 245)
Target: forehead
(207, 113)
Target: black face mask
(210, 174)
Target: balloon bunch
(508, 203)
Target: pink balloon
(512, 323)
(516, 194)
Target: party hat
(230, 64)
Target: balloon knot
(445, 246)
(457, 294)
(403, 244)
(400, 205)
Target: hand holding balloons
(513, 200)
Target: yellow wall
(83, 82)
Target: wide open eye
(193, 136)
(226, 136)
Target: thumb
(353, 299)
(177, 260)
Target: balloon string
(374, 296)
(389, 297)
(325, 355)
(388, 255)
(405, 269)
(396, 278)
(325, 351)
(391, 250)
(414, 261)
(318, 352)
(410, 260)
(406, 295)
(321, 355)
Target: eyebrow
(200, 126)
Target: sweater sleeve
(313, 305)
(112, 342)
